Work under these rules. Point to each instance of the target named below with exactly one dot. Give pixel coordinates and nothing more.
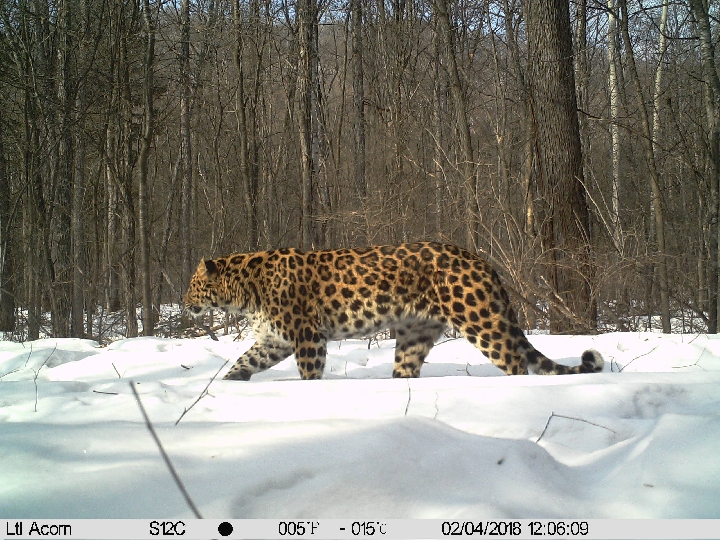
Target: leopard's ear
(208, 268)
(211, 268)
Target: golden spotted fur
(299, 300)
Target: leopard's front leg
(264, 354)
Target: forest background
(574, 145)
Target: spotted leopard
(299, 300)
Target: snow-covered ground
(641, 440)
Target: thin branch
(202, 394)
(9, 372)
(164, 455)
(38, 373)
(407, 406)
(552, 415)
(695, 363)
(631, 361)
(29, 354)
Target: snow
(640, 440)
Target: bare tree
(7, 296)
(62, 266)
(564, 221)
(306, 28)
(186, 191)
(711, 95)
(614, 88)
(358, 88)
(656, 197)
(317, 123)
(467, 166)
(248, 172)
(87, 40)
(145, 146)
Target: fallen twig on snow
(552, 414)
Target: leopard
(297, 301)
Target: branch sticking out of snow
(409, 397)
(35, 378)
(640, 356)
(164, 455)
(202, 394)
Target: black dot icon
(225, 529)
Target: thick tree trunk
(564, 216)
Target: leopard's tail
(592, 362)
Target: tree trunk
(185, 146)
(165, 240)
(439, 91)
(143, 203)
(358, 86)
(564, 219)
(113, 209)
(248, 176)
(467, 167)
(129, 218)
(306, 10)
(79, 269)
(323, 207)
(62, 266)
(712, 117)
(614, 84)
(127, 266)
(582, 81)
(527, 167)
(656, 193)
(7, 295)
(80, 277)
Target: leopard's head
(206, 288)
